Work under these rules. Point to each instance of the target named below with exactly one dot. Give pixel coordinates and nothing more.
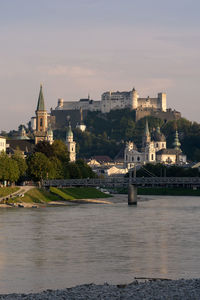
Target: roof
(40, 105)
(169, 151)
(102, 158)
(23, 145)
(158, 136)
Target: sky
(80, 47)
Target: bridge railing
(113, 181)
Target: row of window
(2, 144)
(139, 159)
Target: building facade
(42, 131)
(153, 150)
(116, 100)
(2, 144)
(71, 145)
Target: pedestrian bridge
(112, 182)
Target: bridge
(112, 182)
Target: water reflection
(61, 247)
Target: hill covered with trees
(107, 133)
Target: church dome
(69, 132)
(158, 136)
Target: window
(152, 157)
(132, 158)
(157, 145)
(138, 158)
(41, 121)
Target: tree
(39, 166)
(9, 170)
(21, 162)
(60, 151)
(45, 148)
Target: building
(153, 150)
(43, 132)
(148, 106)
(80, 125)
(2, 144)
(71, 145)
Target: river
(59, 247)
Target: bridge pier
(132, 194)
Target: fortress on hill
(143, 107)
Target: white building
(71, 145)
(2, 144)
(153, 150)
(116, 100)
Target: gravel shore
(168, 289)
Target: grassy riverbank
(78, 193)
(42, 196)
(4, 191)
(164, 191)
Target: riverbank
(160, 289)
(31, 197)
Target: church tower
(146, 139)
(176, 142)
(71, 145)
(41, 119)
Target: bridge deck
(124, 182)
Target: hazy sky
(76, 47)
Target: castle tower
(71, 145)
(146, 139)
(41, 119)
(162, 101)
(134, 99)
(176, 142)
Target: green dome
(69, 132)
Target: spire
(146, 139)
(69, 134)
(158, 129)
(81, 116)
(176, 142)
(146, 132)
(40, 105)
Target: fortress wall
(167, 116)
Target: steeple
(69, 134)
(40, 104)
(71, 145)
(146, 132)
(146, 139)
(176, 142)
(41, 119)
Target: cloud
(65, 70)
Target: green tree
(9, 170)
(39, 166)
(45, 148)
(60, 151)
(21, 162)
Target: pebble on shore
(156, 290)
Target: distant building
(154, 106)
(42, 131)
(71, 145)
(153, 150)
(2, 144)
(80, 125)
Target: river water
(59, 247)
